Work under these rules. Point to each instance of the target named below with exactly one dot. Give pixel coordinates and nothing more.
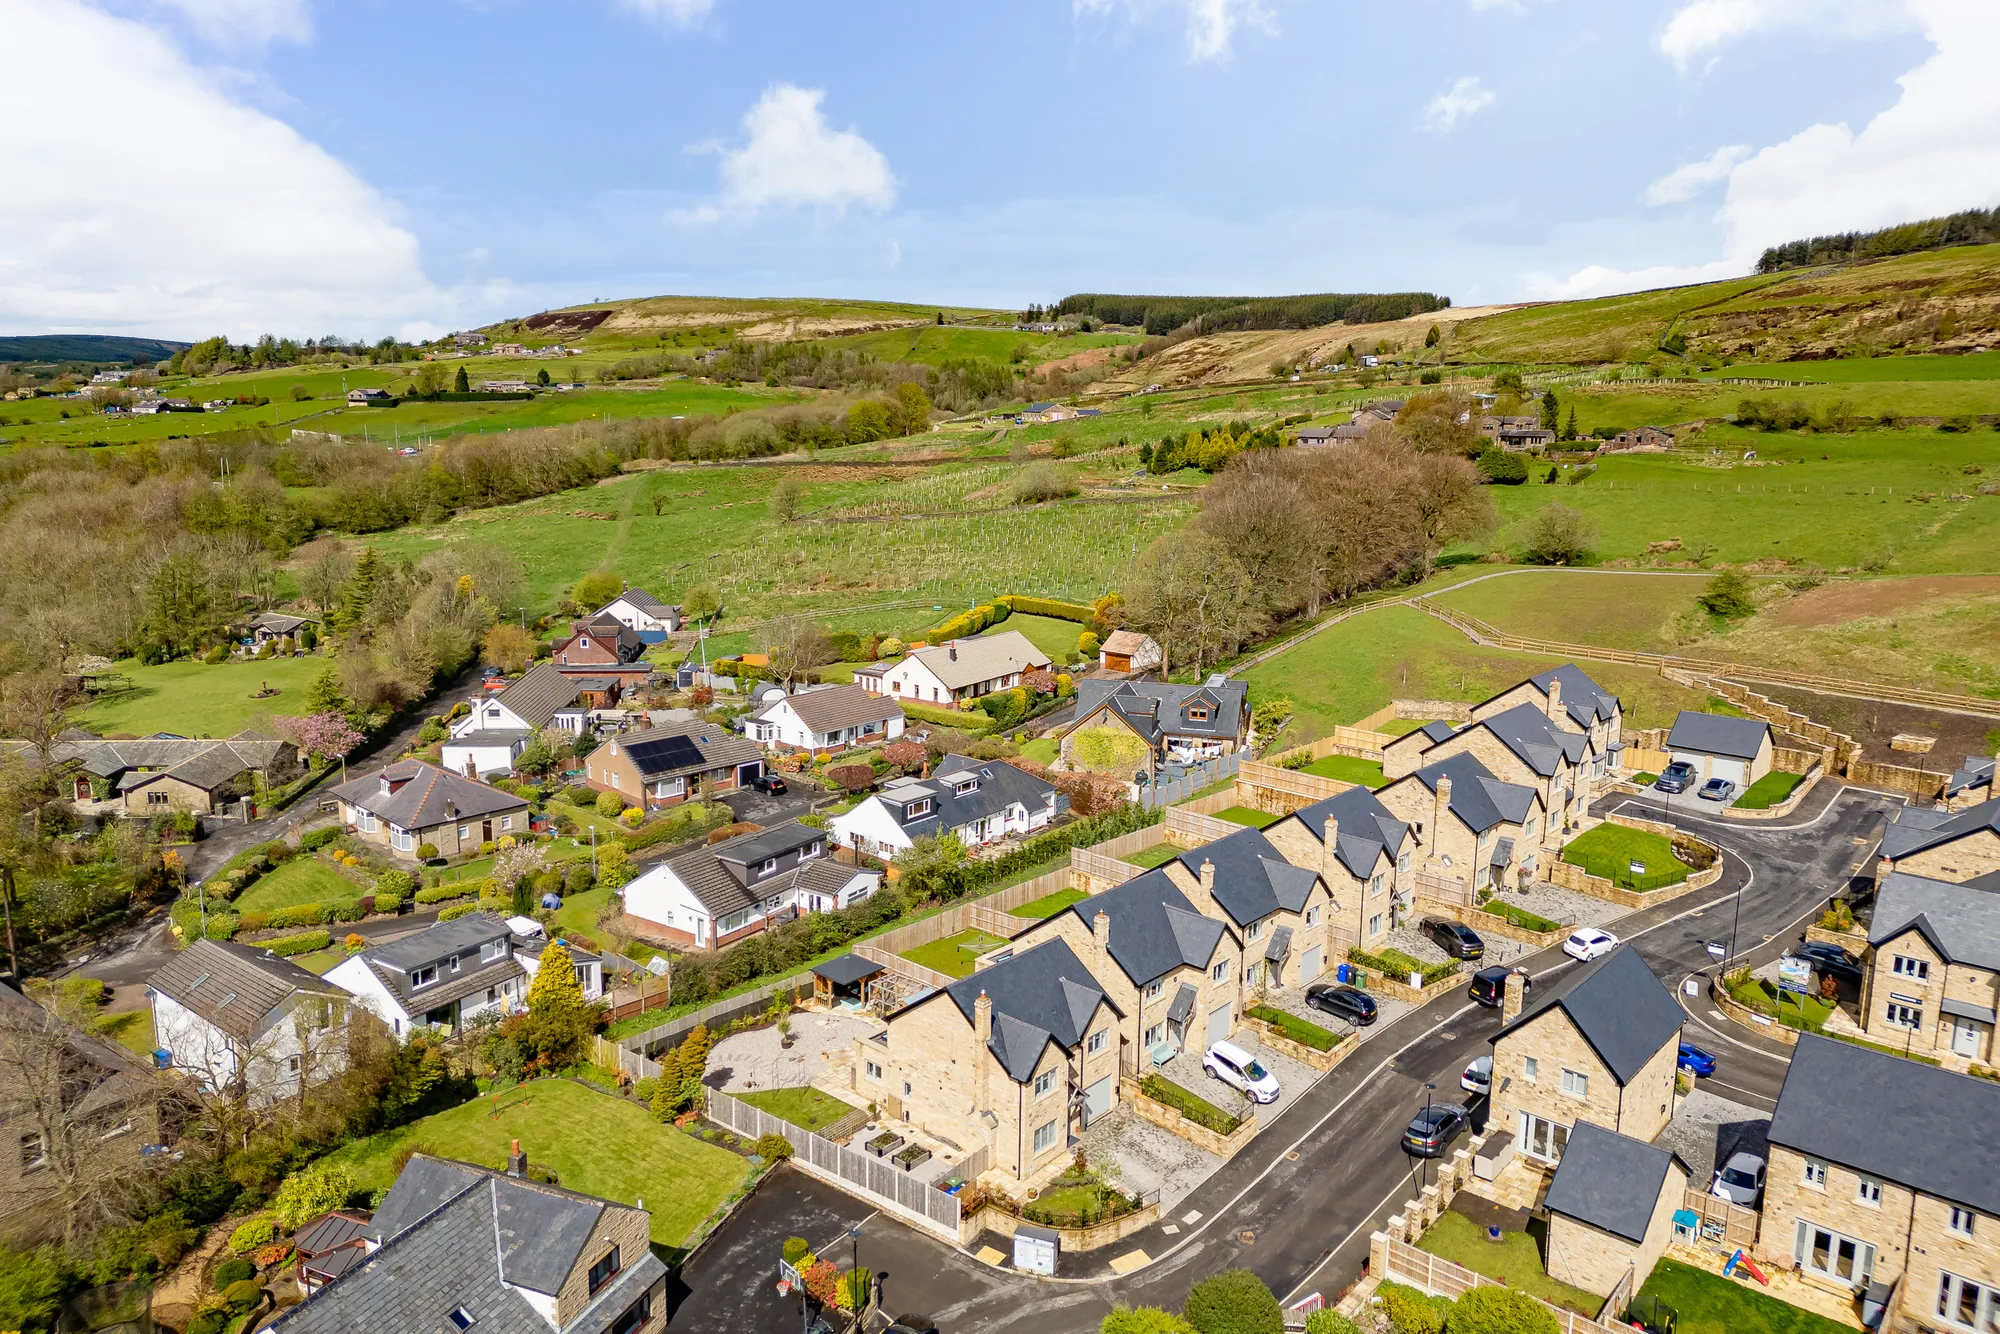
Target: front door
(485, 831)
(1097, 1099)
(1965, 1037)
(1218, 1025)
(1309, 965)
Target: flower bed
(1397, 966)
(885, 1143)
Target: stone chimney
(1556, 714)
(982, 1034)
(1208, 880)
(952, 649)
(1441, 811)
(1329, 860)
(1511, 996)
(517, 1162)
(1100, 930)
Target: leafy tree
(931, 866)
(1549, 409)
(1105, 749)
(596, 588)
(787, 496)
(1559, 535)
(32, 1284)
(1502, 466)
(508, 647)
(1088, 644)
(461, 383)
(558, 1025)
(1233, 1302)
(1144, 1320)
(312, 1191)
(1434, 337)
(327, 735)
(538, 756)
(542, 376)
(915, 408)
(1729, 593)
(325, 694)
(1499, 1310)
(614, 866)
(701, 602)
(180, 603)
(870, 419)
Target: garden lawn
(1245, 816)
(1515, 1260)
(1049, 904)
(1347, 769)
(1053, 637)
(1788, 1007)
(195, 699)
(131, 1029)
(1042, 750)
(1710, 1304)
(806, 1108)
(596, 1143)
(955, 954)
(1147, 858)
(303, 879)
(1610, 849)
(1769, 790)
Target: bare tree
(1191, 594)
(797, 645)
(323, 567)
(1261, 514)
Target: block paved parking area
(1294, 1077)
(1292, 1000)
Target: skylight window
(461, 1318)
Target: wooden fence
(1188, 829)
(1400, 1262)
(1094, 873)
(1723, 1223)
(798, 987)
(1279, 791)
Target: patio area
(1139, 1156)
(822, 1044)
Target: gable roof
(105, 1074)
(1156, 709)
(541, 691)
(1977, 771)
(1252, 878)
(610, 632)
(1718, 734)
(1367, 828)
(683, 748)
(426, 796)
(1585, 701)
(830, 708)
(1915, 828)
(999, 786)
(1624, 1012)
(1610, 1181)
(1939, 1145)
(706, 871)
(1154, 928)
(233, 986)
(963, 662)
(1039, 996)
(1540, 744)
(1961, 921)
(197, 759)
(1477, 797)
(1125, 642)
(640, 600)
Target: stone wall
(1169, 1119)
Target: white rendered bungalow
(826, 719)
(980, 801)
(234, 1017)
(718, 894)
(642, 613)
(456, 973)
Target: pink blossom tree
(326, 735)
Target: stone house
(1522, 744)
(825, 719)
(665, 766)
(1020, 1056)
(1129, 651)
(1942, 845)
(489, 738)
(231, 1016)
(1173, 972)
(1640, 437)
(954, 674)
(1569, 691)
(1600, 1047)
(1277, 909)
(1971, 783)
(452, 974)
(460, 1247)
(1611, 1207)
(977, 801)
(411, 804)
(1718, 746)
(1469, 825)
(603, 648)
(714, 895)
(1362, 852)
(1931, 980)
(161, 775)
(1881, 1182)
(1178, 724)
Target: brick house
(714, 895)
(1020, 1055)
(825, 719)
(665, 766)
(1173, 971)
(605, 647)
(1942, 845)
(410, 804)
(1718, 746)
(1178, 724)
(1469, 825)
(235, 1017)
(1600, 1047)
(1611, 1206)
(1912, 1214)
(977, 801)
(460, 1247)
(953, 674)
(1931, 980)
(1362, 852)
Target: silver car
(1741, 1180)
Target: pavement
(1297, 1205)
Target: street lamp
(1424, 1164)
(854, 1274)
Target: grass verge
(1610, 850)
(1295, 1028)
(1769, 791)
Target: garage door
(1097, 1099)
(1218, 1025)
(1733, 770)
(1309, 964)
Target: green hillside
(85, 347)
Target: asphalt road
(1297, 1207)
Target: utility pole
(7, 905)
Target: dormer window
(454, 963)
(423, 977)
(967, 787)
(492, 950)
(917, 808)
(812, 851)
(1198, 713)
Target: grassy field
(1515, 1261)
(1245, 815)
(805, 1107)
(933, 345)
(1347, 769)
(955, 954)
(626, 1155)
(1628, 611)
(1874, 370)
(195, 699)
(1053, 637)
(1710, 1304)
(1609, 850)
(1769, 791)
(303, 879)
(1049, 904)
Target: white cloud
(1210, 25)
(244, 227)
(1691, 178)
(793, 157)
(1702, 24)
(244, 22)
(1463, 99)
(680, 13)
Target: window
(813, 851)
(1868, 1191)
(291, 1065)
(1153, 990)
(399, 839)
(423, 977)
(1253, 975)
(34, 1151)
(506, 822)
(454, 963)
(1312, 917)
(1402, 862)
(1575, 1084)
(1044, 1082)
(1901, 1015)
(1045, 1137)
(637, 1314)
(1255, 932)
(1966, 1304)
(464, 832)
(1828, 1254)
(1155, 1035)
(365, 821)
(1198, 713)
(491, 950)
(1375, 925)
(906, 1088)
(1961, 1221)
(1531, 1069)
(1528, 829)
(1097, 1041)
(1542, 1138)
(461, 1318)
(1221, 971)
(768, 865)
(1376, 883)
(1917, 970)
(156, 798)
(1815, 1174)
(917, 808)
(874, 1071)
(604, 1271)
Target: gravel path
(1146, 1157)
(755, 1060)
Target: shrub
(1233, 1302)
(233, 1271)
(457, 910)
(310, 1192)
(303, 943)
(852, 777)
(772, 1148)
(252, 1233)
(576, 878)
(317, 839)
(1144, 1320)
(242, 1295)
(610, 805)
(253, 921)
(397, 882)
(1410, 1311)
(351, 911)
(631, 817)
(796, 1249)
(1196, 1109)
(208, 1322)
(388, 903)
(614, 866)
(1330, 1322)
(1500, 1311)
(1498, 465)
(452, 889)
(301, 914)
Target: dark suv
(1489, 986)
(1455, 938)
(1343, 1002)
(1675, 777)
(1829, 958)
(1434, 1128)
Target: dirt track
(1832, 604)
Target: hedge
(389, 903)
(969, 623)
(970, 876)
(665, 829)
(454, 889)
(965, 720)
(300, 914)
(1396, 965)
(318, 839)
(458, 910)
(303, 943)
(1295, 1028)
(186, 914)
(1196, 1109)
(1052, 607)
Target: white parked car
(1478, 1077)
(1740, 1181)
(1237, 1068)
(1588, 943)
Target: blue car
(1699, 1063)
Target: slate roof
(455, 1235)
(984, 658)
(1914, 828)
(426, 796)
(1156, 710)
(1624, 1012)
(1000, 786)
(234, 987)
(1154, 928)
(329, 1232)
(1716, 734)
(1438, 730)
(1541, 745)
(1977, 771)
(643, 601)
(1940, 1144)
(1477, 797)
(844, 969)
(540, 692)
(833, 707)
(1039, 996)
(108, 1075)
(1367, 828)
(1585, 701)
(277, 622)
(392, 963)
(1961, 921)
(197, 758)
(1252, 878)
(685, 748)
(1610, 1181)
(707, 874)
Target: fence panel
(1199, 828)
(1404, 1263)
(1110, 870)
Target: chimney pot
(1100, 927)
(517, 1162)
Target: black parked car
(1675, 777)
(1829, 958)
(769, 782)
(1433, 1129)
(1455, 938)
(1489, 986)
(1343, 1002)
(912, 1324)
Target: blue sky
(308, 167)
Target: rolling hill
(85, 347)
